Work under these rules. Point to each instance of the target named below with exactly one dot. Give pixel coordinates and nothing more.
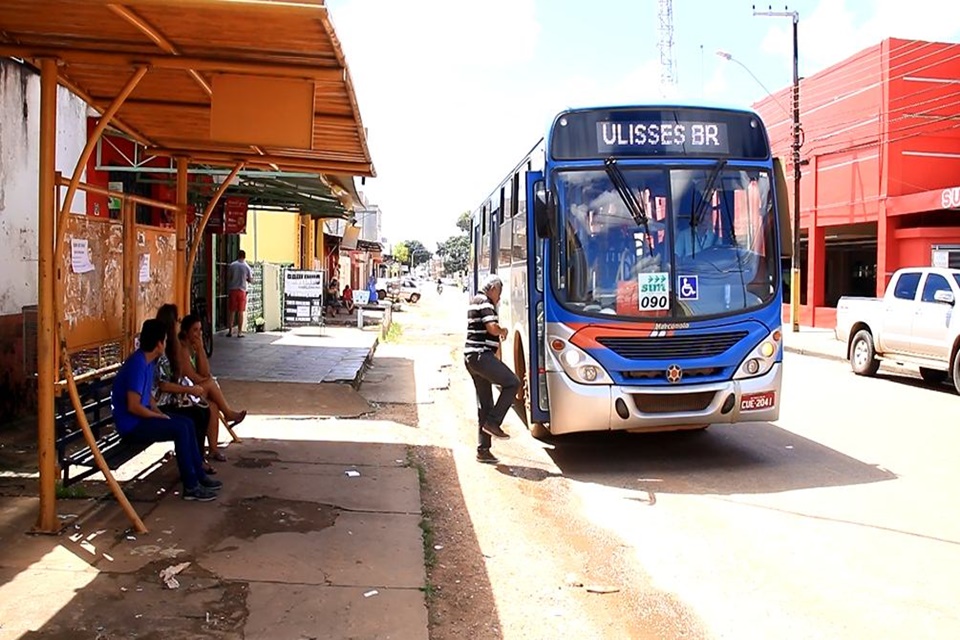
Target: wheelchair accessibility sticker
(689, 288)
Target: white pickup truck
(913, 324)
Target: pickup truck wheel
(414, 298)
(863, 358)
(956, 372)
(932, 376)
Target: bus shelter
(256, 84)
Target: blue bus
(640, 249)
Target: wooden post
(46, 339)
(181, 286)
(131, 274)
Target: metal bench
(95, 399)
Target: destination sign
(613, 137)
(671, 132)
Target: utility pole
(795, 258)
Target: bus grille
(673, 402)
(661, 374)
(673, 347)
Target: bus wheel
(522, 404)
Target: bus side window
(506, 227)
(485, 238)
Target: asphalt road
(839, 520)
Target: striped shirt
(479, 313)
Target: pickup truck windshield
(706, 245)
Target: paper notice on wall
(80, 257)
(145, 267)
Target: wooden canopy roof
(259, 81)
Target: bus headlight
(580, 366)
(761, 359)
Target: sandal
(240, 417)
(219, 457)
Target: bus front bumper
(578, 407)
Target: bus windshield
(707, 245)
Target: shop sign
(950, 198)
(235, 214)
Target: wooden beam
(159, 39)
(263, 65)
(224, 158)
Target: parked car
(395, 289)
(913, 324)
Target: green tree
(455, 252)
(401, 253)
(465, 222)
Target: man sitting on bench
(137, 418)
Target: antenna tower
(668, 74)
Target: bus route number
(654, 291)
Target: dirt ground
(508, 553)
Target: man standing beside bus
(239, 274)
(484, 334)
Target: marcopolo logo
(950, 198)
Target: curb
(367, 363)
(814, 354)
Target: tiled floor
(331, 354)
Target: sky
(454, 93)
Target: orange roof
(263, 81)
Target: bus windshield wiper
(697, 214)
(620, 184)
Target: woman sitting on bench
(176, 395)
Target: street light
(729, 57)
(795, 258)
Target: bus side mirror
(544, 210)
(783, 209)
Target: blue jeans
(486, 371)
(181, 431)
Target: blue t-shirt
(135, 375)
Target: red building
(880, 163)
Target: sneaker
(200, 494)
(484, 456)
(211, 484)
(495, 431)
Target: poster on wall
(302, 298)
(114, 204)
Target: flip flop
(243, 414)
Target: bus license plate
(758, 401)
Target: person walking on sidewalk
(138, 419)
(484, 334)
(239, 274)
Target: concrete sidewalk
(306, 355)
(315, 534)
(820, 343)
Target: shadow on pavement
(292, 548)
(747, 458)
(464, 607)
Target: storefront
(880, 162)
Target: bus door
(535, 356)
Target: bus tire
(522, 404)
(863, 357)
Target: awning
(262, 81)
